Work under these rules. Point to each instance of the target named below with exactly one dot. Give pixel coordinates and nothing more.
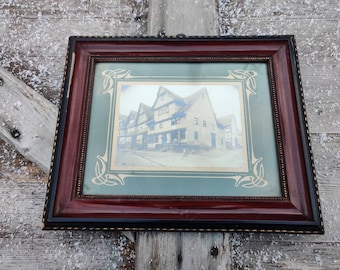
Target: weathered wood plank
(315, 26)
(173, 17)
(182, 251)
(33, 44)
(291, 251)
(33, 40)
(23, 245)
(159, 250)
(34, 36)
(27, 120)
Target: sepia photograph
(179, 126)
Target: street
(216, 158)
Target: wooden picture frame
(183, 134)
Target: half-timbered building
(175, 123)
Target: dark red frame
(298, 212)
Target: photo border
(253, 177)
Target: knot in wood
(179, 259)
(1, 81)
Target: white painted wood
(33, 38)
(315, 25)
(178, 251)
(189, 17)
(27, 120)
(33, 44)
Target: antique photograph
(179, 125)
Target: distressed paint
(33, 40)
(315, 25)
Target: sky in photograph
(224, 98)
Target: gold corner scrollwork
(256, 180)
(104, 178)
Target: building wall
(200, 111)
(179, 122)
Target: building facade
(174, 123)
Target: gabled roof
(162, 90)
(123, 117)
(226, 120)
(132, 115)
(143, 108)
(191, 99)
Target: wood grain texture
(27, 120)
(175, 17)
(183, 251)
(33, 44)
(23, 245)
(33, 41)
(316, 27)
(159, 250)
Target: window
(153, 139)
(178, 135)
(195, 121)
(195, 135)
(160, 125)
(174, 121)
(204, 123)
(163, 110)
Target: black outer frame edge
(304, 132)
(185, 225)
(178, 38)
(62, 110)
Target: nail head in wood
(161, 34)
(214, 251)
(15, 133)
